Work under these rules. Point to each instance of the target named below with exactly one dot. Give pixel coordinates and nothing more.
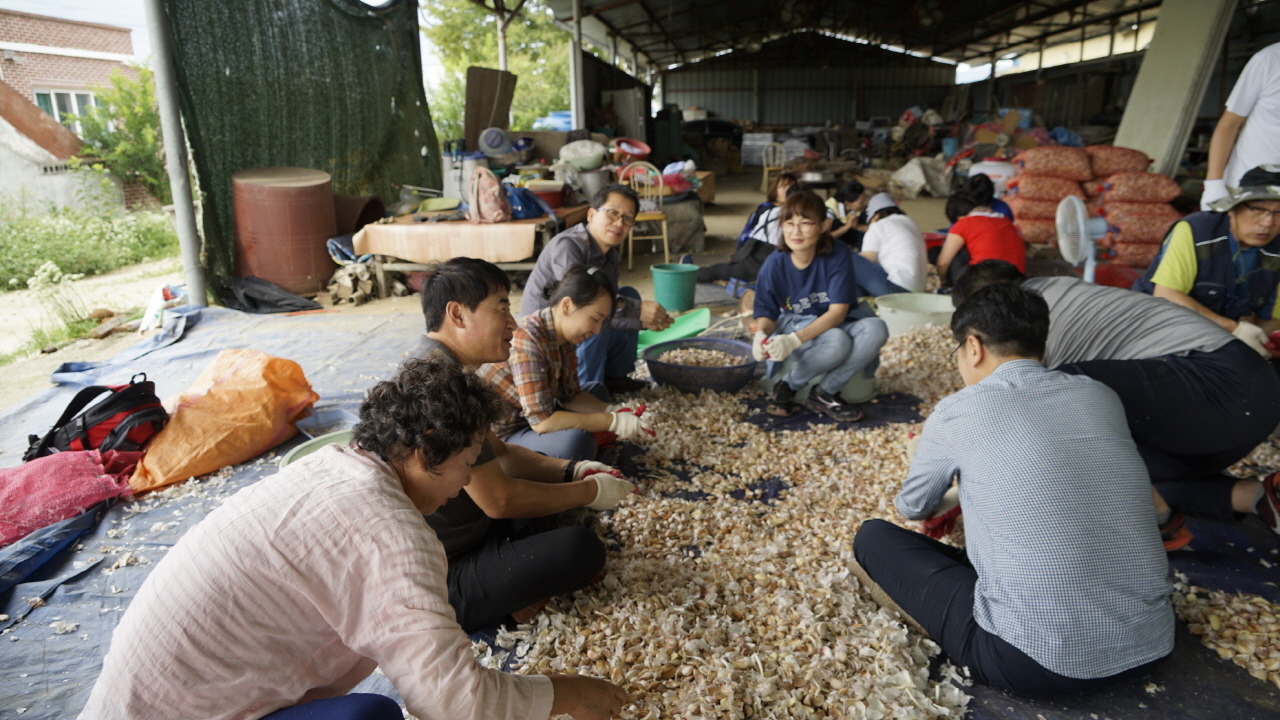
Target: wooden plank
(489, 94)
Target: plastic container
(284, 216)
(629, 149)
(325, 419)
(554, 198)
(690, 379)
(905, 311)
(998, 170)
(674, 286)
(341, 437)
(593, 181)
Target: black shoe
(783, 401)
(686, 259)
(833, 406)
(620, 385)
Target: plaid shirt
(540, 373)
(1057, 518)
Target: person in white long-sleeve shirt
(297, 587)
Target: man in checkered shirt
(1063, 585)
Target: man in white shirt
(1238, 146)
(893, 258)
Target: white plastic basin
(905, 311)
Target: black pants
(745, 264)
(519, 563)
(933, 583)
(959, 264)
(1193, 417)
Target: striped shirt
(540, 373)
(1059, 522)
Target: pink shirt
(296, 589)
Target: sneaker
(620, 385)
(882, 598)
(783, 402)
(833, 406)
(1268, 507)
(686, 259)
(1174, 533)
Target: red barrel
(284, 216)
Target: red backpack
(126, 419)
(486, 200)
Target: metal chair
(772, 156)
(646, 180)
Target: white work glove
(757, 346)
(780, 347)
(1253, 336)
(628, 426)
(1213, 190)
(610, 491)
(587, 468)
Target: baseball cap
(1260, 183)
(878, 202)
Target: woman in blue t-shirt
(807, 305)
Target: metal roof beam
(1089, 20)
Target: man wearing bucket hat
(1225, 263)
(608, 357)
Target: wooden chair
(772, 156)
(646, 180)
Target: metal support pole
(175, 149)
(502, 43)
(576, 99)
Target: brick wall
(56, 32)
(59, 72)
(136, 197)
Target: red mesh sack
(1107, 160)
(1042, 187)
(58, 486)
(1060, 161)
(1024, 209)
(1146, 229)
(1136, 208)
(1140, 187)
(1136, 255)
(1092, 189)
(1036, 231)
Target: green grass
(44, 337)
(78, 242)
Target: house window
(64, 105)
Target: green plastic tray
(341, 436)
(687, 325)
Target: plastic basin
(674, 285)
(905, 311)
(690, 379)
(342, 437)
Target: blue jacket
(1220, 285)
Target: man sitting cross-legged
(1063, 586)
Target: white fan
(1078, 234)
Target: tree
(465, 34)
(122, 134)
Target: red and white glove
(757, 346)
(779, 347)
(627, 424)
(587, 468)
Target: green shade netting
(334, 85)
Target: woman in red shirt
(978, 233)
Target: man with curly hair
(506, 554)
(287, 596)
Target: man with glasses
(1225, 263)
(608, 357)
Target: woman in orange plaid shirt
(547, 410)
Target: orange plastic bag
(243, 404)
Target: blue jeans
(356, 706)
(872, 280)
(840, 352)
(565, 444)
(610, 354)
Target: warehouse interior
(729, 592)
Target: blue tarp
(50, 674)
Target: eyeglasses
(615, 216)
(1253, 212)
(799, 225)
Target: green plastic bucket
(674, 285)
